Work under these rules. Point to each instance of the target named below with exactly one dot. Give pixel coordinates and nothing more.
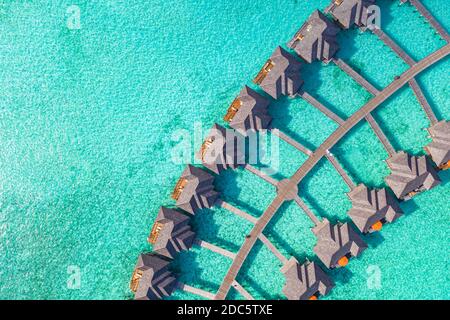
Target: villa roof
(410, 174)
(152, 280)
(336, 241)
(249, 112)
(439, 148)
(280, 75)
(350, 12)
(222, 149)
(304, 281)
(370, 206)
(171, 233)
(195, 190)
(316, 39)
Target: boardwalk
(315, 158)
(340, 170)
(374, 91)
(380, 134)
(215, 249)
(394, 46)
(242, 291)
(423, 101)
(424, 12)
(261, 174)
(412, 83)
(313, 101)
(272, 248)
(237, 211)
(355, 76)
(196, 291)
(308, 211)
(291, 141)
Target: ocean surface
(90, 114)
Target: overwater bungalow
(410, 175)
(171, 233)
(152, 279)
(248, 112)
(337, 243)
(372, 208)
(350, 12)
(280, 75)
(305, 282)
(439, 148)
(195, 190)
(222, 149)
(316, 39)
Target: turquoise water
(85, 138)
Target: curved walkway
(316, 157)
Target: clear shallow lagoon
(85, 137)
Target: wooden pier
(214, 248)
(242, 291)
(308, 211)
(314, 102)
(340, 170)
(412, 83)
(261, 174)
(355, 76)
(427, 15)
(374, 91)
(380, 134)
(254, 220)
(423, 101)
(394, 46)
(273, 249)
(287, 189)
(318, 154)
(291, 141)
(237, 211)
(196, 291)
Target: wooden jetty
(195, 291)
(242, 291)
(314, 102)
(214, 248)
(412, 83)
(434, 23)
(237, 211)
(355, 76)
(291, 141)
(261, 174)
(340, 170)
